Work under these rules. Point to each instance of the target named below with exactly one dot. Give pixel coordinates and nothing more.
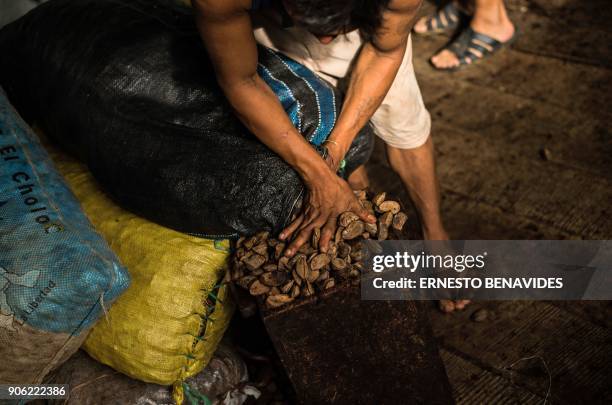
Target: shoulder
(397, 22)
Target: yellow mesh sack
(168, 323)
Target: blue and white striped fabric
(311, 96)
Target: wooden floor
(524, 151)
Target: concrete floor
(524, 151)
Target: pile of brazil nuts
(259, 266)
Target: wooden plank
(528, 127)
(573, 30)
(577, 353)
(340, 349)
(503, 136)
(471, 384)
(597, 312)
(470, 219)
(481, 168)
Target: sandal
(471, 46)
(445, 19)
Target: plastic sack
(56, 272)
(127, 86)
(93, 383)
(13, 9)
(168, 323)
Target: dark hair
(332, 16)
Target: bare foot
(445, 59)
(499, 28)
(420, 27)
(446, 306)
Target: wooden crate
(338, 349)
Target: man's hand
(327, 198)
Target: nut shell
(254, 261)
(301, 268)
(261, 248)
(347, 218)
(329, 283)
(386, 219)
(339, 264)
(399, 220)
(278, 300)
(319, 261)
(389, 206)
(379, 198)
(352, 231)
(258, 288)
(274, 278)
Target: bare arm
(225, 27)
(226, 30)
(373, 74)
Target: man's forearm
(260, 111)
(227, 33)
(374, 72)
(370, 81)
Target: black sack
(126, 85)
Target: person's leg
(403, 123)
(490, 18)
(416, 169)
(358, 180)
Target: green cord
(194, 396)
(219, 246)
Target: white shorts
(402, 120)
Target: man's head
(327, 19)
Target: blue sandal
(471, 46)
(445, 19)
